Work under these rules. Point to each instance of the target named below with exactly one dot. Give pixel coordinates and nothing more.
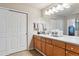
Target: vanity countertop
(65, 38)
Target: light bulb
(47, 12)
(54, 9)
(59, 7)
(66, 5)
(50, 11)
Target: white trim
(13, 10)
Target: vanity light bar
(58, 8)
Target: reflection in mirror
(77, 26)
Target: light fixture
(65, 5)
(54, 9)
(50, 11)
(59, 7)
(47, 12)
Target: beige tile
(26, 53)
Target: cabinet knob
(72, 48)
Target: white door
(15, 26)
(3, 32)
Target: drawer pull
(66, 52)
(72, 48)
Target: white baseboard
(30, 48)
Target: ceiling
(38, 5)
(72, 10)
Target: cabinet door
(69, 53)
(38, 44)
(49, 50)
(59, 43)
(59, 51)
(72, 47)
(43, 47)
(35, 43)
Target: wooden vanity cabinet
(72, 50)
(59, 43)
(49, 41)
(59, 51)
(70, 53)
(49, 47)
(38, 43)
(49, 50)
(34, 41)
(52, 47)
(72, 47)
(59, 48)
(43, 45)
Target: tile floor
(26, 53)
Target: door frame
(13, 10)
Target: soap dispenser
(71, 30)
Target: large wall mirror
(77, 25)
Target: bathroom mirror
(77, 26)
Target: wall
(34, 15)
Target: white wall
(34, 15)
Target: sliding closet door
(13, 27)
(17, 31)
(3, 32)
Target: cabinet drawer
(69, 53)
(73, 48)
(53, 43)
(59, 51)
(34, 36)
(43, 39)
(38, 45)
(43, 47)
(59, 43)
(38, 37)
(49, 50)
(49, 41)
